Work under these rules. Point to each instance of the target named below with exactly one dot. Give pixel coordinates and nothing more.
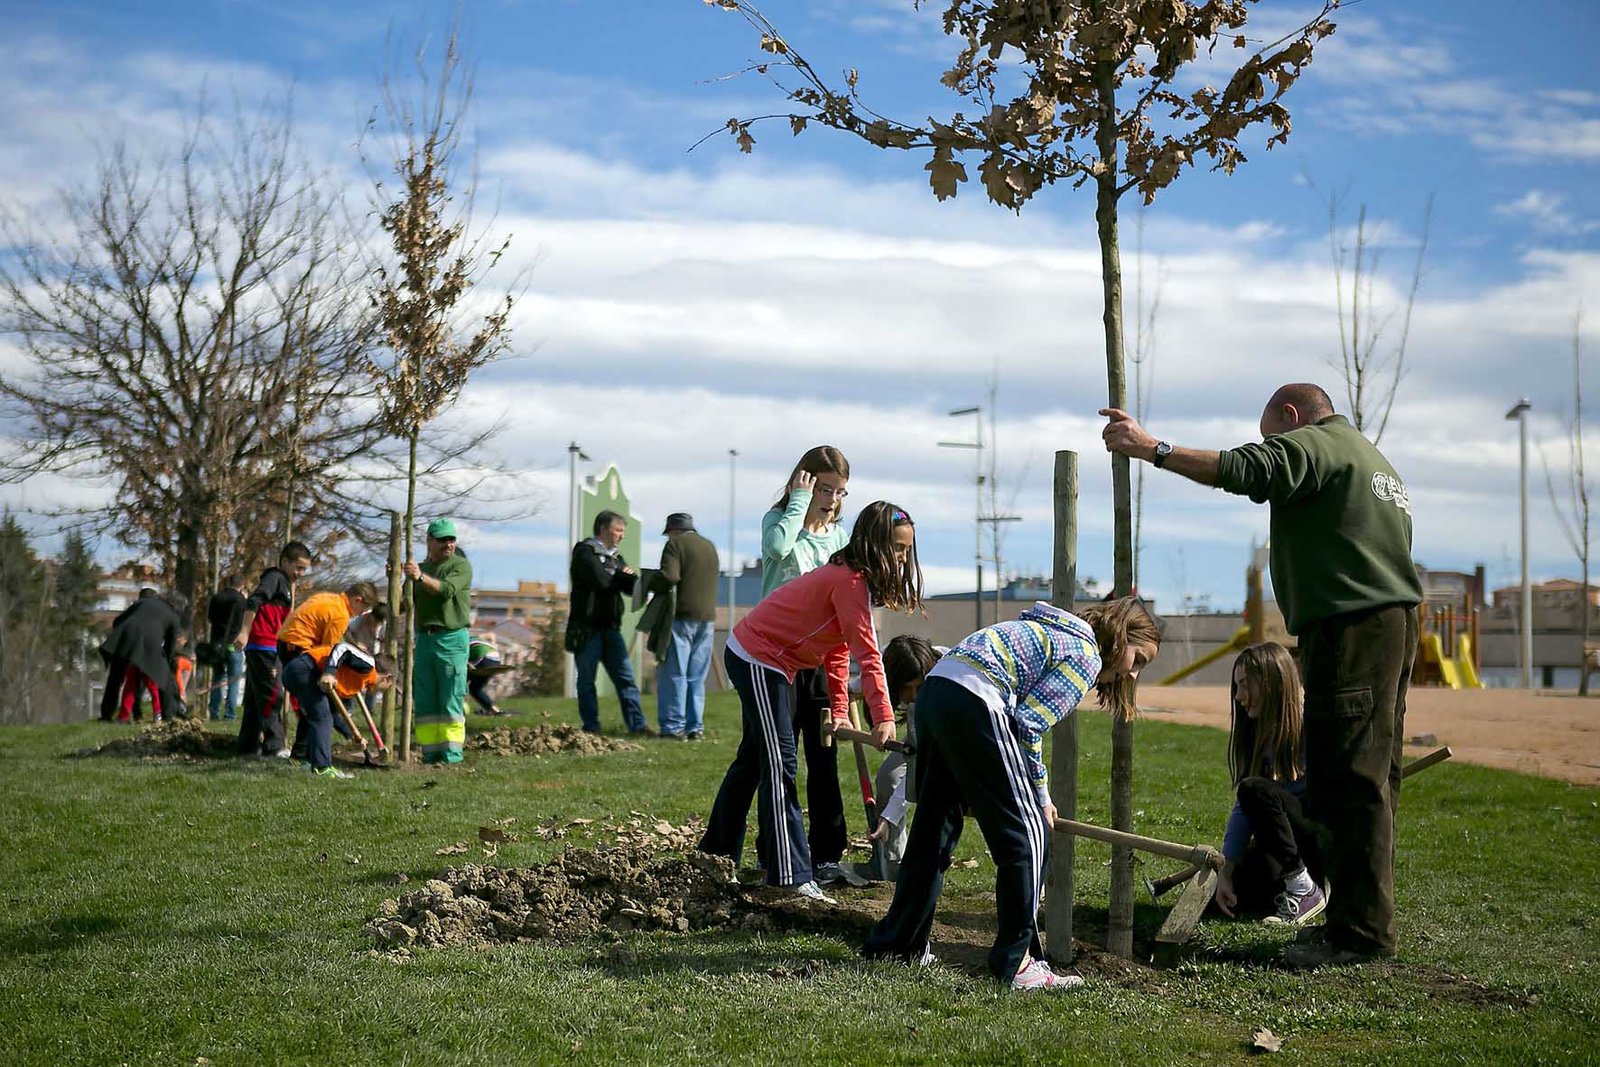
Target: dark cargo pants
(1357, 667)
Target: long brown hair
(1117, 624)
(823, 459)
(1273, 738)
(870, 553)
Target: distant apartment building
(530, 603)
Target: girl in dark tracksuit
(980, 721)
(817, 620)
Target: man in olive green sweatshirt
(1343, 575)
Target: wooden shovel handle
(1200, 855)
(845, 733)
(344, 712)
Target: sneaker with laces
(812, 891)
(1297, 909)
(333, 772)
(834, 873)
(1036, 974)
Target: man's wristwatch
(1163, 450)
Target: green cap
(439, 529)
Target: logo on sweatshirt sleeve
(1387, 487)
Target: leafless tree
(1145, 310)
(1574, 515)
(1371, 365)
(197, 313)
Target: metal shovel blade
(1185, 914)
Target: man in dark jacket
(261, 727)
(600, 577)
(1343, 575)
(688, 565)
(225, 656)
(141, 652)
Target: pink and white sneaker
(1036, 974)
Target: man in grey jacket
(689, 565)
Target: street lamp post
(976, 445)
(1520, 413)
(575, 452)
(733, 557)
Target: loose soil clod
(538, 740)
(172, 739)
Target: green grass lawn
(183, 913)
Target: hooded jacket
(1035, 669)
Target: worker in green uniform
(441, 594)
(1344, 577)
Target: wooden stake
(1059, 879)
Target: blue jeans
(233, 669)
(608, 647)
(681, 679)
(300, 677)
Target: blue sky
(815, 291)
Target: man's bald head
(1293, 406)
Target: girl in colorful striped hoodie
(817, 620)
(980, 720)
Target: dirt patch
(581, 892)
(173, 740)
(1550, 735)
(539, 740)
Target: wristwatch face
(1163, 450)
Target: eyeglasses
(837, 494)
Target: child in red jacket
(818, 619)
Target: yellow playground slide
(1458, 671)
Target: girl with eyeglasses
(819, 620)
(799, 533)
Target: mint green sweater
(788, 549)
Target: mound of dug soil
(581, 892)
(173, 739)
(538, 740)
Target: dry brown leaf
(967, 863)
(580, 822)
(494, 833)
(451, 850)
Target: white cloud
(1547, 213)
(679, 309)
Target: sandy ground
(1556, 736)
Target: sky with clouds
(683, 303)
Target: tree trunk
(1119, 918)
(391, 632)
(408, 636)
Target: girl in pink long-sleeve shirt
(818, 619)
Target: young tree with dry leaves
(434, 338)
(1077, 92)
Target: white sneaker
(834, 873)
(812, 891)
(928, 958)
(1036, 974)
(335, 773)
(282, 753)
